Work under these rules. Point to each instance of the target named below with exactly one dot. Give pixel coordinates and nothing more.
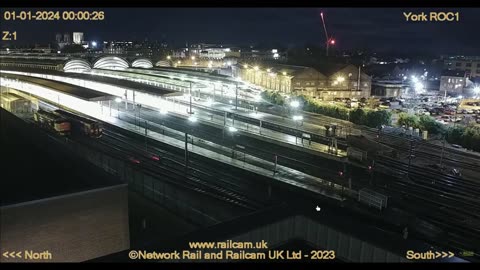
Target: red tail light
(134, 160)
(155, 158)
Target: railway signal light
(340, 173)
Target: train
(83, 125)
(65, 123)
(53, 122)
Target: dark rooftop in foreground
(32, 168)
(365, 229)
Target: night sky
(377, 29)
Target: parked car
(449, 112)
(455, 172)
(441, 121)
(446, 118)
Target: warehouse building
(347, 81)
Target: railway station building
(347, 81)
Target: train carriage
(87, 126)
(53, 122)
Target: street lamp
(169, 57)
(193, 58)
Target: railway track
(464, 188)
(178, 162)
(293, 159)
(454, 208)
(197, 178)
(457, 229)
(431, 151)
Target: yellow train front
(52, 122)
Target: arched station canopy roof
(142, 63)
(111, 62)
(77, 65)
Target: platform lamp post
(213, 84)
(237, 80)
(118, 101)
(163, 112)
(236, 96)
(190, 103)
(294, 104)
(297, 119)
(192, 119)
(232, 131)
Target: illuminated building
(343, 82)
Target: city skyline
(381, 30)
